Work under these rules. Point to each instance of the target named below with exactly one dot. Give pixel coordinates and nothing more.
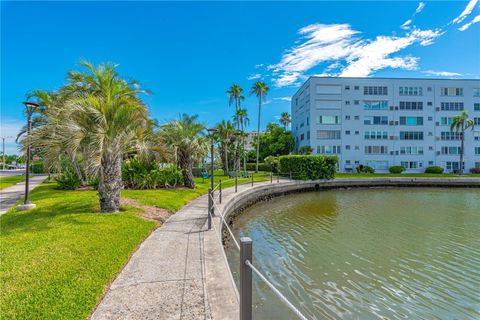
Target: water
(367, 254)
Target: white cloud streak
(254, 76)
(406, 24)
(420, 7)
(467, 25)
(442, 73)
(466, 12)
(283, 98)
(339, 43)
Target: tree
(305, 150)
(235, 97)
(100, 115)
(225, 133)
(260, 89)
(285, 119)
(242, 118)
(460, 124)
(186, 135)
(276, 141)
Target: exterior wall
(345, 99)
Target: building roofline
(390, 78)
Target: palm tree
(260, 89)
(235, 96)
(225, 132)
(460, 124)
(186, 135)
(242, 118)
(101, 117)
(285, 119)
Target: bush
(305, 150)
(475, 170)
(308, 167)
(37, 167)
(138, 174)
(68, 180)
(262, 166)
(93, 182)
(271, 162)
(434, 169)
(365, 169)
(396, 169)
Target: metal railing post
(252, 179)
(236, 182)
(278, 177)
(290, 175)
(245, 279)
(220, 190)
(271, 177)
(210, 206)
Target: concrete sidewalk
(167, 277)
(11, 195)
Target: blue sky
(189, 53)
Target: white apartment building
(383, 122)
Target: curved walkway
(11, 195)
(179, 271)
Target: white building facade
(383, 122)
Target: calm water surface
(367, 254)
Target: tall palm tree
(460, 124)
(101, 117)
(260, 89)
(242, 118)
(285, 119)
(186, 135)
(225, 132)
(236, 97)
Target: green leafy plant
(305, 150)
(396, 169)
(365, 169)
(68, 180)
(307, 167)
(137, 174)
(434, 169)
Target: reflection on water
(367, 254)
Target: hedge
(396, 169)
(434, 169)
(308, 167)
(262, 166)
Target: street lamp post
(212, 132)
(30, 108)
(3, 149)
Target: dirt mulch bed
(148, 212)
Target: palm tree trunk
(243, 149)
(258, 129)
(226, 159)
(110, 183)
(462, 144)
(186, 166)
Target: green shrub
(305, 150)
(262, 166)
(434, 169)
(68, 180)
(396, 169)
(138, 174)
(475, 170)
(365, 169)
(271, 162)
(307, 167)
(37, 167)
(93, 182)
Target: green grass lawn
(173, 199)
(57, 260)
(10, 181)
(413, 175)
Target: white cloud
(254, 76)
(420, 7)
(259, 65)
(442, 73)
(468, 9)
(283, 98)
(406, 24)
(467, 25)
(339, 43)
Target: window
(356, 88)
(410, 91)
(328, 149)
(429, 103)
(375, 105)
(411, 135)
(446, 121)
(476, 121)
(412, 164)
(476, 92)
(451, 92)
(356, 102)
(411, 150)
(376, 135)
(411, 121)
(328, 120)
(430, 163)
(476, 107)
(451, 106)
(477, 164)
(447, 135)
(347, 102)
(375, 90)
(429, 89)
(451, 150)
(376, 150)
(430, 118)
(347, 132)
(477, 150)
(308, 135)
(328, 134)
(357, 118)
(302, 137)
(347, 117)
(377, 164)
(476, 135)
(411, 105)
(452, 165)
(375, 120)
(357, 132)
(308, 121)
(347, 147)
(347, 87)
